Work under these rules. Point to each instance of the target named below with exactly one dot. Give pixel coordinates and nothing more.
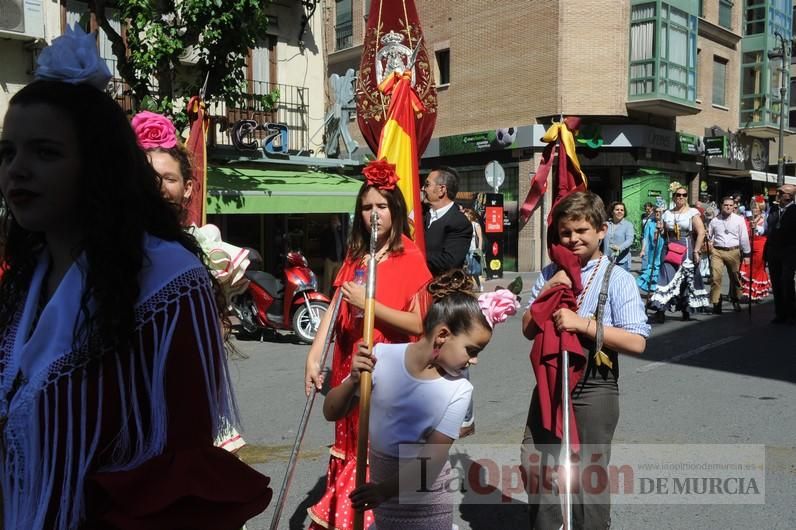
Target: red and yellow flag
(197, 146)
(398, 145)
(393, 33)
(396, 98)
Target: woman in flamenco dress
(401, 304)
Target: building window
(443, 69)
(344, 27)
(662, 51)
(261, 58)
(755, 17)
(642, 50)
(752, 91)
(719, 81)
(77, 13)
(780, 14)
(792, 97)
(725, 13)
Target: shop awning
(246, 190)
(770, 178)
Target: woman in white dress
(680, 286)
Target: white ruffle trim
(665, 293)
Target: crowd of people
(687, 250)
(115, 398)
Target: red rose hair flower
(380, 174)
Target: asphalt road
(722, 379)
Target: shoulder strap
(601, 300)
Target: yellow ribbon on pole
(559, 130)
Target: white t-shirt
(683, 219)
(406, 410)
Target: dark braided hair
(455, 304)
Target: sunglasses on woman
(681, 195)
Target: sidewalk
(528, 279)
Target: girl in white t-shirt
(418, 403)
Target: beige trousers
(731, 259)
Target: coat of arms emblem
(393, 56)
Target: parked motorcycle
(291, 303)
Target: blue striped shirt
(623, 309)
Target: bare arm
(341, 398)
(312, 368)
(529, 327)
(699, 228)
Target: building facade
(255, 198)
(651, 79)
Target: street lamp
(783, 54)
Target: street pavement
(725, 379)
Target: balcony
(117, 88)
(343, 36)
(662, 70)
(120, 92)
(660, 95)
(291, 109)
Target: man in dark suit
(448, 231)
(780, 254)
(448, 235)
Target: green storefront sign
(688, 143)
(477, 142)
(716, 146)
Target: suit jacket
(447, 241)
(781, 240)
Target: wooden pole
(365, 377)
(305, 416)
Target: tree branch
(119, 48)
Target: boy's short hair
(575, 206)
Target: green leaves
(217, 33)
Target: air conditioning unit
(22, 19)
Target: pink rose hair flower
(498, 306)
(154, 130)
(380, 174)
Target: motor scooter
(293, 303)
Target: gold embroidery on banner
(371, 103)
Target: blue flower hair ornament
(73, 58)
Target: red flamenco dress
(401, 284)
(755, 271)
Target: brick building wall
(710, 49)
(594, 42)
(502, 66)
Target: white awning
(770, 178)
